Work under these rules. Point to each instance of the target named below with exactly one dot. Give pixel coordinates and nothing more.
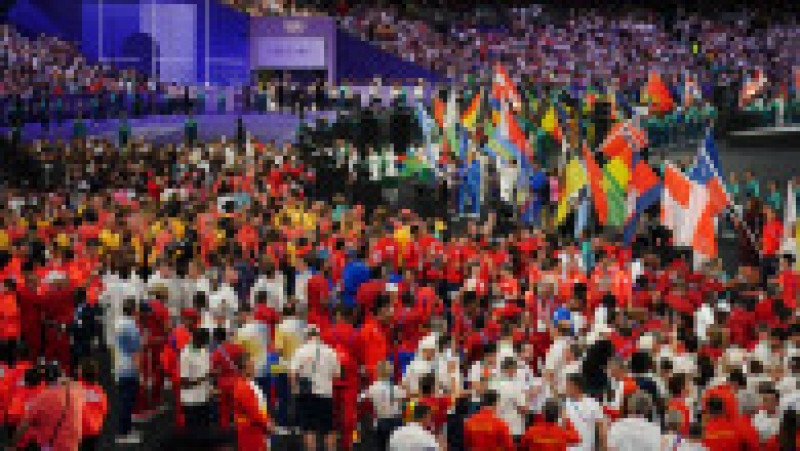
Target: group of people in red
(222, 291)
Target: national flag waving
(503, 87)
(550, 123)
(438, 111)
(615, 183)
(624, 139)
(753, 84)
(658, 93)
(427, 125)
(790, 229)
(645, 191)
(574, 180)
(596, 185)
(699, 196)
(470, 116)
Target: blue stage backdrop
(182, 41)
(200, 41)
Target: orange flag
(438, 111)
(659, 94)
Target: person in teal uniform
(124, 131)
(751, 184)
(79, 128)
(734, 188)
(774, 197)
(190, 129)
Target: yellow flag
(619, 170)
(574, 180)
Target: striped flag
(596, 185)
(615, 183)
(696, 198)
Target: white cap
(428, 342)
(646, 342)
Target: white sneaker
(131, 439)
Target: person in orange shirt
(679, 386)
(485, 431)
(722, 433)
(251, 421)
(95, 406)
(549, 435)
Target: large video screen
(290, 52)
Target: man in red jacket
(251, 421)
(549, 435)
(485, 430)
(223, 365)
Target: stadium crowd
(589, 49)
(276, 291)
(229, 270)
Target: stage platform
(276, 126)
(782, 137)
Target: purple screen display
(292, 42)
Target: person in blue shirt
(128, 345)
(355, 273)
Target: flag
(426, 123)
(678, 213)
(645, 190)
(789, 244)
(698, 196)
(438, 111)
(574, 180)
(596, 185)
(470, 116)
(450, 124)
(550, 123)
(615, 183)
(503, 87)
(624, 139)
(658, 93)
(753, 84)
(516, 135)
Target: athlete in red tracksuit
(224, 367)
